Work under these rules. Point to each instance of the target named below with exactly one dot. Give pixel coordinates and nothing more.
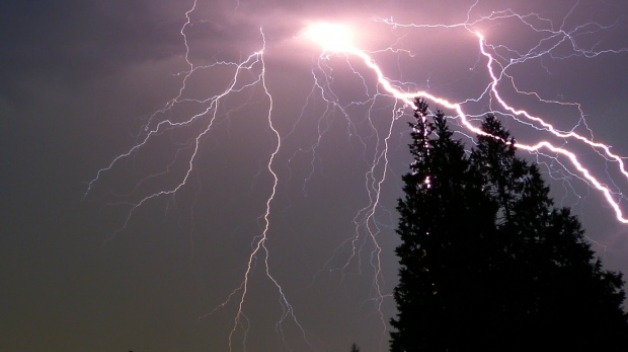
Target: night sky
(102, 261)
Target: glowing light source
(331, 36)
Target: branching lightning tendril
(338, 41)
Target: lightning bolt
(339, 41)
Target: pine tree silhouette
(487, 262)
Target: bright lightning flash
(339, 40)
(333, 37)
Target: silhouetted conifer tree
(486, 260)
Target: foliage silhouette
(487, 262)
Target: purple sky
(82, 80)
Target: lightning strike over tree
(382, 97)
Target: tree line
(487, 261)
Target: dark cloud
(78, 40)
